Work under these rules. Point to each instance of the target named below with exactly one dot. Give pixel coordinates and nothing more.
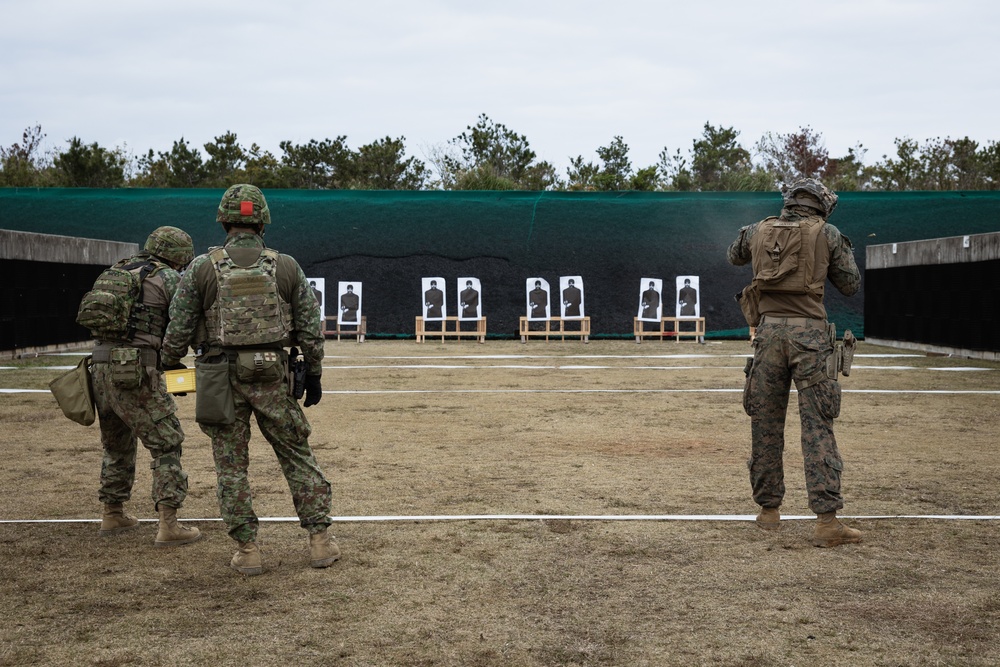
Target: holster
(847, 352)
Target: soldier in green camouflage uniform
(254, 316)
(146, 411)
(793, 344)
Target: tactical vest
(114, 309)
(248, 310)
(784, 255)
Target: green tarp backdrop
(388, 241)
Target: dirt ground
(562, 436)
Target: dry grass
(526, 592)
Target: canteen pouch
(259, 366)
(126, 368)
(74, 395)
(214, 399)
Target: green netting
(389, 240)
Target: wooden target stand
(583, 332)
(354, 330)
(674, 331)
(455, 331)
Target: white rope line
(552, 517)
(565, 367)
(364, 392)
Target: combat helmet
(243, 204)
(170, 244)
(810, 192)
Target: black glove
(314, 390)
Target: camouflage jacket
(197, 292)
(837, 258)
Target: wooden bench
(456, 332)
(356, 330)
(675, 331)
(583, 332)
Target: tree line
(490, 156)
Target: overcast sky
(570, 75)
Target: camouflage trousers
(285, 427)
(784, 353)
(147, 413)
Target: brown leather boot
(247, 559)
(115, 520)
(769, 518)
(829, 532)
(323, 550)
(171, 533)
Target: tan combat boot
(171, 533)
(829, 532)
(247, 559)
(323, 551)
(115, 520)
(769, 518)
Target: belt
(233, 353)
(102, 354)
(794, 321)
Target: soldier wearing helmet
(793, 255)
(241, 305)
(172, 245)
(129, 391)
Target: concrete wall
(947, 250)
(62, 249)
(940, 296)
(42, 279)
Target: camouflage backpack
(113, 309)
(248, 309)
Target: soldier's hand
(314, 391)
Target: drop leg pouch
(214, 398)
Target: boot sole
(248, 571)
(325, 562)
(178, 543)
(834, 542)
(768, 526)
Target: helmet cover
(170, 244)
(810, 192)
(243, 204)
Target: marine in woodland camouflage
(800, 351)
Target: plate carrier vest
(248, 311)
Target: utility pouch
(126, 367)
(749, 300)
(74, 395)
(259, 366)
(214, 399)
